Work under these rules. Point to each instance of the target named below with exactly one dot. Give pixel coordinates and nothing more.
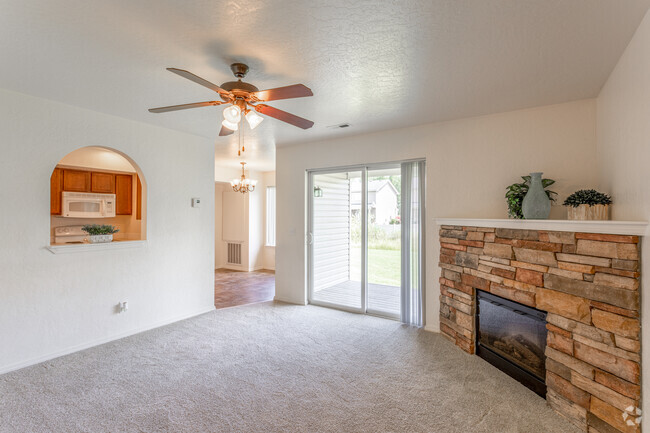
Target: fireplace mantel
(637, 228)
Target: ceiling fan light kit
(232, 114)
(253, 119)
(230, 125)
(244, 98)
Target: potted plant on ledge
(100, 233)
(588, 204)
(516, 192)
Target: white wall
(235, 211)
(469, 164)
(219, 247)
(257, 210)
(99, 158)
(54, 304)
(623, 132)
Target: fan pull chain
(240, 145)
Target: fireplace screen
(512, 337)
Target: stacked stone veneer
(588, 284)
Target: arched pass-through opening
(97, 186)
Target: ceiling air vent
(339, 126)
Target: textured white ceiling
(375, 64)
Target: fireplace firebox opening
(512, 337)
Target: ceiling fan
(243, 98)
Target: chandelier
(243, 185)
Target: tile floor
(233, 288)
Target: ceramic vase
(536, 204)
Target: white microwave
(87, 205)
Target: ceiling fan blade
(287, 92)
(225, 131)
(190, 76)
(284, 116)
(184, 106)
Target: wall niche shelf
(79, 248)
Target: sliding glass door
(335, 240)
(384, 245)
(359, 243)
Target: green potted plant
(100, 233)
(516, 192)
(588, 204)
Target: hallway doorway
(234, 288)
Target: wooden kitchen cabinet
(56, 188)
(138, 199)
(123, 194)
(64, 179)
(76, 180)
(102, 183)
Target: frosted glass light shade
(232, 114)
(230, 125)
(253, 119)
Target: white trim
(270, 216)
(97, 342)
(232, 267)
(431, 329)
(604, 227)
(78, 248)
(288, 301)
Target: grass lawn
(383, 266)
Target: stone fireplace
(585, 287)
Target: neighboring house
(382, 200)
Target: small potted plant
(100, 233)
(516, 192)
(588, 204)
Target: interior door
(336, 239)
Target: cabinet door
(102, 182)
(123, 194)
(76, 180)
(56, 187)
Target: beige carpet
(272, 368)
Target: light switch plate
(196, 202)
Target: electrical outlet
(196, 202)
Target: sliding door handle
(310, 238)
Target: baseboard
(287, 301)
(234, 268)
(243, 269)
(431, 329)
(99, 341)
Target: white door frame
(364, 234)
